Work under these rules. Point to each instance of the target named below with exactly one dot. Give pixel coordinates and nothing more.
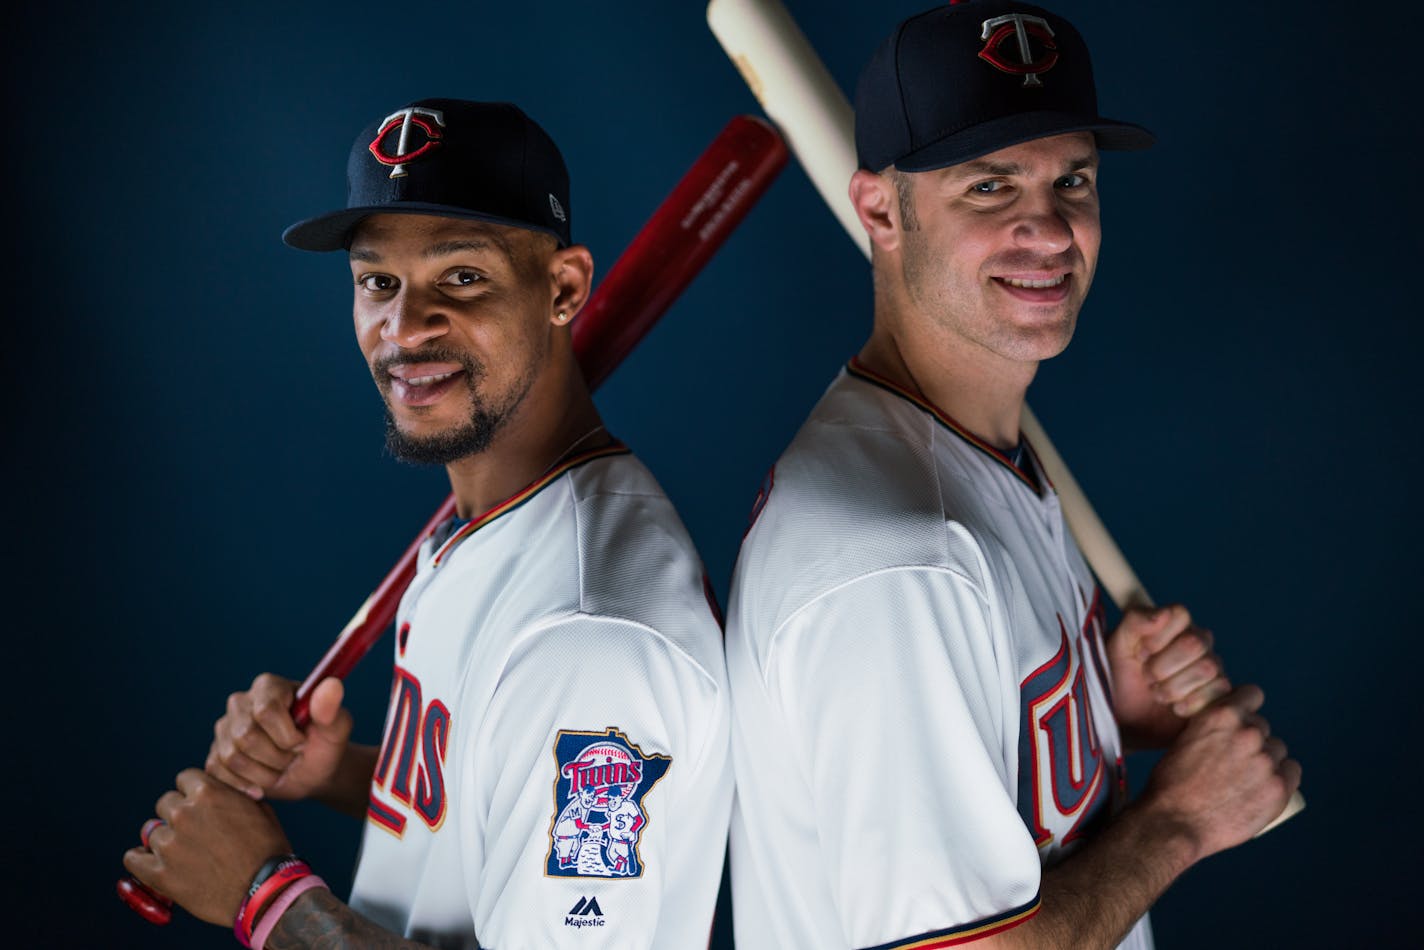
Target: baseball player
(566, 561)
(930, 717)
(625, 822)
(571, 829)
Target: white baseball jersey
(554, 770)
(920, 717)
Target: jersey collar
(859, 370)
(524, 494)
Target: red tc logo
(429, 121)
(1021, 26)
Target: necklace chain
(572, 445)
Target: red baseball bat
(684, 232)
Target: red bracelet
(260, 895)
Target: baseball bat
(693, 221)
(802, 98)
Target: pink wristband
(268, 921)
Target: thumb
(326, 712)
(1158, 627)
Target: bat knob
(147, 903)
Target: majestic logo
(556, 208)
(1022, 28)
(598, 804)
(429, 122)
(586, 913)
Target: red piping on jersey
(968, 933)
(523, 495)
(856, 368)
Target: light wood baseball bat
(799, 94)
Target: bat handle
(144, 901)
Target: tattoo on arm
(319, 920)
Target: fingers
(1192, 688)
(1153, 629)
(1177, 659)
(191, 782)
(1289, 771)
(1247, 697)
(142, 864)
(248, 775)
(256, 739)
(165, 808)
(271, 703)
(1275, 749)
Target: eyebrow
(368, 255)
(981, 166)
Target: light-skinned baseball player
(930, 718)
(555, 752)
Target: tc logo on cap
(405, 118)
(1021, 26)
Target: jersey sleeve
(898, 691)
(601, 768)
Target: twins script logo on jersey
(599, 814)
(428, 121)
(1022, 28)
(1065, 780)
(410, 774)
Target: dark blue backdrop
(198, 491)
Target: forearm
(350, 787)
(318, 920)
(1092, 898)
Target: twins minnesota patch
(599, 816)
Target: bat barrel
(682, 234)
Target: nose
(1043, 227)
(413, 319)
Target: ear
(877, 204)
(571, 278)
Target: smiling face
(452, 316)
(1000, 251)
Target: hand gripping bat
(684, 232)
(802, 99)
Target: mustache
(433, 353)
(1027, 260)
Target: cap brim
(332, 232)
(979, 140)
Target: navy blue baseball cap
(450, 157)
(969, 78)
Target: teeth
(1052, 282)
(427, 380)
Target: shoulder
(638, 571)
(857, 493)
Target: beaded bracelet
(268, 921)
(262, 890)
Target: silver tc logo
(429, 121)
(1021, 26)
